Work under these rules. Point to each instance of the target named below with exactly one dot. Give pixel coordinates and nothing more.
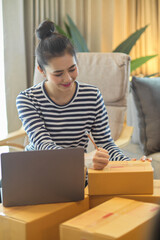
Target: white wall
(14, 57)
(3, 118)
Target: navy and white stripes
(52, 126)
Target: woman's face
(61, 72)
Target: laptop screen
(35, 177)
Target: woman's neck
(58, 96)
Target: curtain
(117, 19)
(103, 23)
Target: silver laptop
(35, 177)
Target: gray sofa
(143, 113)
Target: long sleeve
(101, 131)
(52, 126)
(34, 124)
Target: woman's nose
(67, 77)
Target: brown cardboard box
(121, 177)
(118, 218)
(37, 222)
(95, 200)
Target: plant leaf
(126, 45)
(68, 29)
(139, 61)
(78, 40)
(152, 75)
(61, 31)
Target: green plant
(78, 40)
(74, 34)
(126, 46)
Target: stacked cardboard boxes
(118, 218)
(95, 200)
(127, 179)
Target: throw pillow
(146, 93)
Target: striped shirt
(52, 126)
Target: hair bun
(45, 29)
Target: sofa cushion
(108, 71)
(132, 118)
(146, 93)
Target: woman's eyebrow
(57, 71)
(72, 66)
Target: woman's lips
(66, 85)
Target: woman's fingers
(99, 165)
(149, 159)
(102, 150)
(143, 159)
(100, 159)
(102, 155)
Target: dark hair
(51, 44)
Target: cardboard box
(95, 200)
(121, 177)
(118, 218)
(37, 222)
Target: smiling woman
(59, 111)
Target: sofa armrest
(125, 136)
(6, 141)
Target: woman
(59, 112)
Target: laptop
(46, 176)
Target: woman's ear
(41, 71)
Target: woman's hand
(143, 159)
(97, 159)
(100, 159)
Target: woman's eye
(72, 70)
(58, 75)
